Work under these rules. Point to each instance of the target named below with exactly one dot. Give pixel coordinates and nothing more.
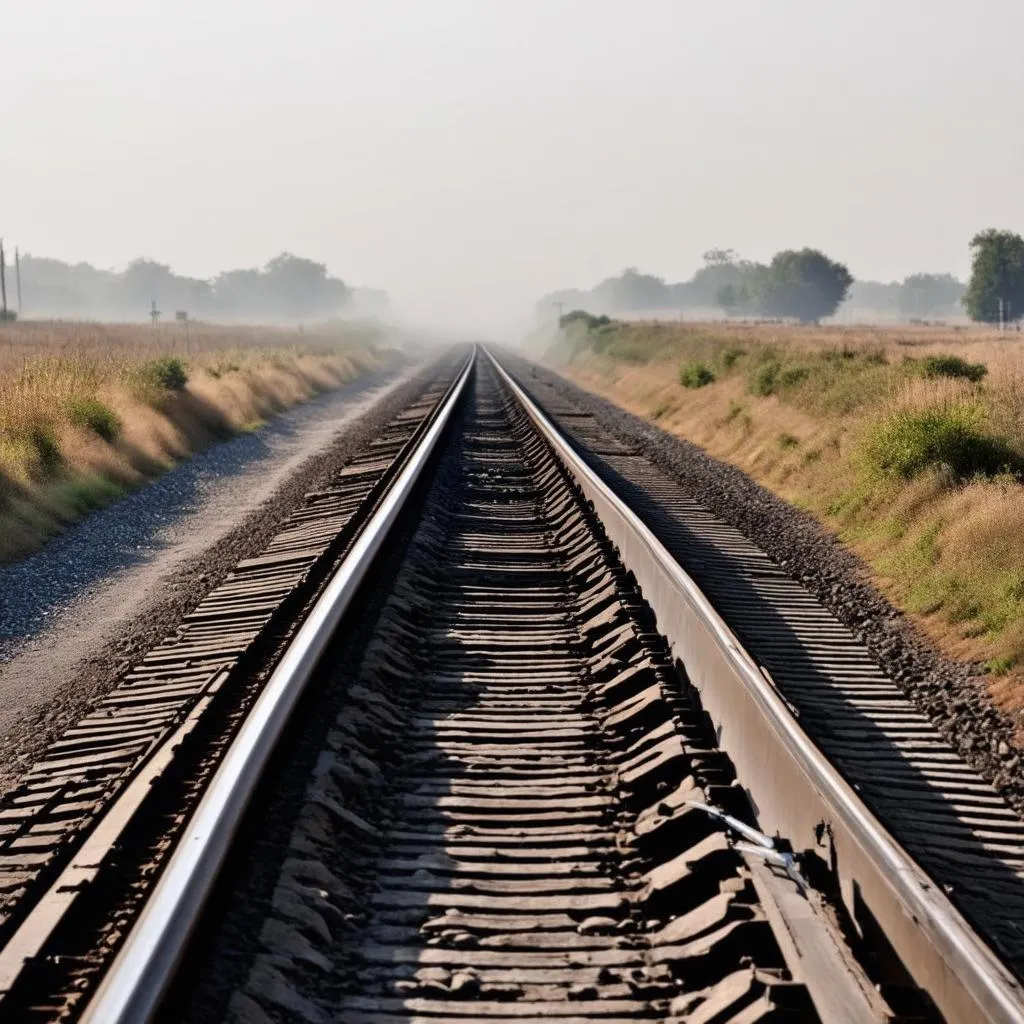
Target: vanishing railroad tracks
(553, 783)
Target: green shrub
(92, 414)
(44, 440)
(732, 355)
(771, 377)
(953, 366)
(950, 437)
(696, 374)
(787, 441)
(33, 448)
(154, 382)
(1000, 666)
(764, 379)
(582, 316)
(169, 373)
(76, 497)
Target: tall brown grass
(922, 475)
(89, 410)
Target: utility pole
(3, 281)
(154, 313)
(17, 279)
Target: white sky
(469, 155)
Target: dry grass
(90, 410)
(921, 475)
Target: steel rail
(795, 790)
(136, 981)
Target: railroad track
(533, 798)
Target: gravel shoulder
(76, 613)
(953, 694)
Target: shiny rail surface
(564, 832)
(70, 820)
(873, 726)
(508, 815)
(797, 791)
(136, 981)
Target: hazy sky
(469, 155)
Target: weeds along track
(501, 795)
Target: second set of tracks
(541, 780)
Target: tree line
(288, 287)
(804, 285)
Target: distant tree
(874, 297)
(727, 298)
(146, 280)
(721, 270)
(631, 291)
(725, 281)
(930, 293)
(236, 292)
(581, 316)
(300, 286)
(289, 287)
(997, 272)
(804, 284)
(721, 257)
(922, 294)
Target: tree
(146, 280)
(289, 287)
(997, 273)
(725, 281)
(804, 284)
(875, 296)
(727, 298)
(301, 287)
(721, 257)
(631, 291)
(930, 293)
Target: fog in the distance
(469, 157)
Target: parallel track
(525, 757)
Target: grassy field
(906, 441)
(88, 411)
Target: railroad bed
(501, 797)
(520, 759)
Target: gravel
(953, 694)
(78, 612)
(129, 532)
